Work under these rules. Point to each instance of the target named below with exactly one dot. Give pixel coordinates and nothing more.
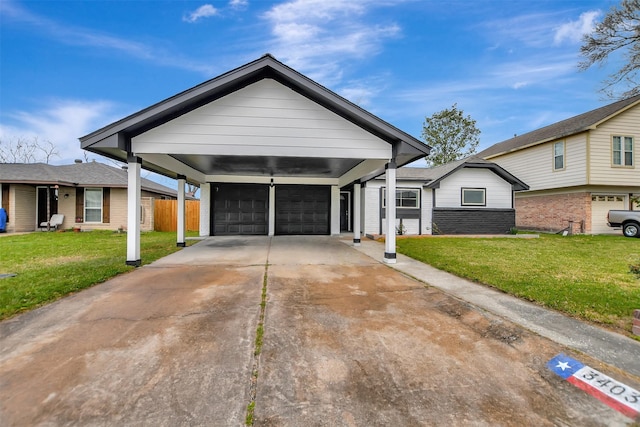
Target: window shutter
(5, 199)
(79, 204)
(106, 193)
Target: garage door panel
(601, 204)
(240, 209)
(302, 209)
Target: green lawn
(52, 265)
(584, 276)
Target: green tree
(451, 135)
(618, 33)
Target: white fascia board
(171, 164)
(237, 146)
(362, 169)
(249, 179)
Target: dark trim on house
(5, 199)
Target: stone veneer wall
(554, 211)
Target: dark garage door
(302, 209)
(240, 209)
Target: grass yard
(52, 265)
(584, 276)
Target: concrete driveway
(347, 342)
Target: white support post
(205, 206)
(272, 210)
(182, 180)
(133, 211)
(390, 238)
(335, 210)
(356, 214)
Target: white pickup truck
(628, 220)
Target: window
(623, 151)
(473, 197)
(93, 205)
(405, 198)
(558, 155)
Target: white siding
(265, 118)
(373, 203)
(602, 170)
(534, 165)
(371, 211)
(411, 226)
(427, 210)
(498, 192)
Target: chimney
(77, 161)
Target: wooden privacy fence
(165, 215)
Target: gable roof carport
(261, 123)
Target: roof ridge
(562, 128)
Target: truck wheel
(631, 229)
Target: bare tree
(619, 32)
(22, 150)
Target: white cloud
(62, 122)
(318, 37)
(204, 11)
(574, 30)
(238, 4)
(80, 36)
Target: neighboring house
(271, 150)
(469, 196)
(577, 169)
(89, 195)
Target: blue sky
(68, 68)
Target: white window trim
(399, 190)
(101, 205)
(623, 151)
(563, 155)
(465, 189)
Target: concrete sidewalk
(608, 347)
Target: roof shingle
(561, 129)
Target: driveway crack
(257, 350)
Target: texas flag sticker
(615, 394)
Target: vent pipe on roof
(78, 161)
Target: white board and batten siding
(603, 172)
(265, 119)
(498, 192)
(371, 209)
(534, 165)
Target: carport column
(390, 238)
(356, 214)
(205, 206)
(182, 180)
(133, 210)
(272, 210)
(335, 210)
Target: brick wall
(472, 221)
(553, 212)
(147, 214)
